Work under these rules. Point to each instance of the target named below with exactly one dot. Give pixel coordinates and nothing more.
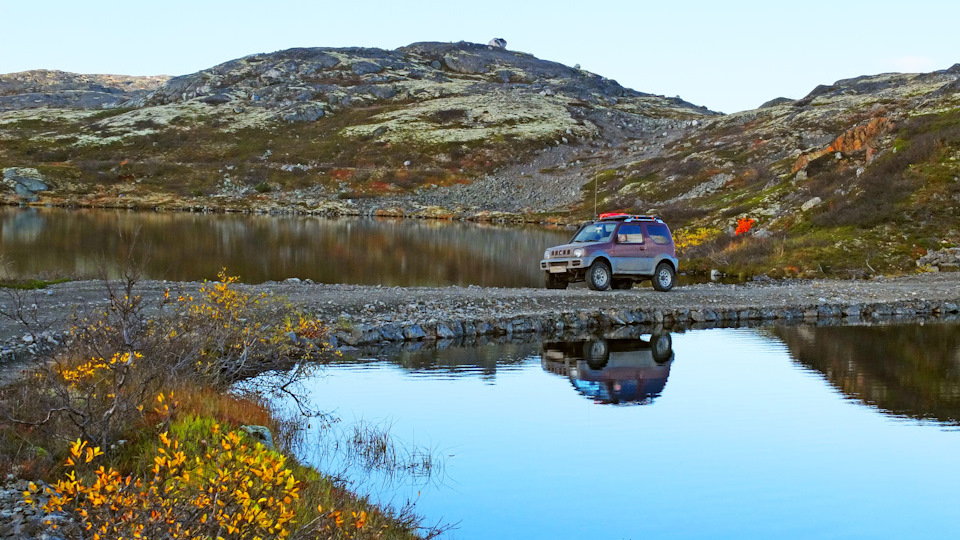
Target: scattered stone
(216, 99)
(944, 259)
(811, 203)
(261, 434)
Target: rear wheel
(596, 353)
(661, 346)
(555, 281)
(664, 277)
(598, 276)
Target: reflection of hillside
(908, 370)
(184, 246)
(483, 361)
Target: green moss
(29, 284)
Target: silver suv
(615, 251)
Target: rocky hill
(45, 88)
(323, 128)
(856, 178)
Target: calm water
(782, 432)
(183, 246)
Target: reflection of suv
(614, 251)
(619, 371)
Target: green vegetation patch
(30, 284)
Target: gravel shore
(369, 314)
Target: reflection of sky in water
(742, 443)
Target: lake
(775, 432)
(191, 247)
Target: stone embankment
(523, 311)
(366, 315)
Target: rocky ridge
(331, 127)
(44, 88)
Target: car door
(658, 242)
(629, 249)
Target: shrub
(226, 488)
(118, 358)
(686, 240)
(743, 226)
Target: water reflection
(613, 371)
(907, 370)
(185, 247)
(743, 429)
(482, 360)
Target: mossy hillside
(856, 211)
(390, 118)
(185, 150)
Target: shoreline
(361, 315)
(368, 208)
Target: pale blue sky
(728, 56)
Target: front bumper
(561, 265)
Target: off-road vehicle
(607, 370)
(615, 251)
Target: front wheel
(555, 281)
(664, 278)
(598, 276)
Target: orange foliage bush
(744, 225)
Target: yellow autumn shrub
(231, 489)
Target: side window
(630, 233)
(659, 234)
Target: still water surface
(780, 432)
(187, 247)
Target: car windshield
(595, 232)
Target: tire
(599, 276)
(622, 284)
(596, 353)
(661, 347)
(664, 278)
(554, 281)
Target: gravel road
(376, 305)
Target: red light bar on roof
(612, 214)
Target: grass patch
(30, 284)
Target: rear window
(660, 234)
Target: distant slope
(334, 125)
(858, 177)
(45, 88)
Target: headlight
(579, 252)
(546, 254)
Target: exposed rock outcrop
(25, 182)
(60, 89)
(944, 259)
(851, 140)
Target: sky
(729, 56)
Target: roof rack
(621, 216)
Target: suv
(620, 371)
(614, 251)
